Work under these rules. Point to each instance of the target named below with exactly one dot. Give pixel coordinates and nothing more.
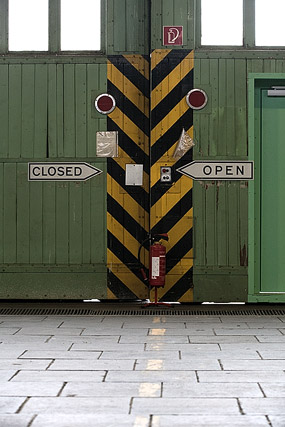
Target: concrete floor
(146, 371)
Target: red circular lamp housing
(196, 99)
(105, 103)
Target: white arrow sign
(218, 170)
(62, 171)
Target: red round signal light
(105, 103)
(196, 99)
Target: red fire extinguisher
(157, 261)
(157, 265)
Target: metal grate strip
(139, 312)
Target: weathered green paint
(173, 12)
(220, 131)
(263, 276)
(47, 115)
(50, 285)
(127, 23)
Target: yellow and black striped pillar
(171, 205)
(128, 206)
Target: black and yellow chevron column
(171, 205)
(128, 206)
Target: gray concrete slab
(9, 405)
(167, 405)
(229, 339)
(162, 345)
(272, 354)
(55, 376)
(56, 354)
(171, 339)
(249, 331)
(24, 389)
(277, 376)
(20, 364)
(13, 420)
(170, 370)
(88, 389)
(49, 331)
(273, 390)
(92, 365)
(277, 421)
(150, 376)
(7, 331)
(90, 420)
(187, 354)
(268, 406)
(180, 365)
(253, 365)
(140, 354)
(209, 420)
(101, 346)
(71, 405)
(183, 389)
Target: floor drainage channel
(138, 312)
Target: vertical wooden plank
(4, 26)
(214, 116)
(280, 66)
(132, 18)
(230, 124)
(110, 27)
(156, 24)
(15, 113)
(28, 110)
(222, 224)
(256, 66)
(36, 222)
(210, 222)
(222, 143)
(243, 223)
(10, 214)
(4, 117)
(241, 107)
(92, 86)
(80, 109)
(62, 223)
(52, 111)
(98, 217)
(60, 109)
(196, 117)
(269, 65)
(167, 12)
(204, 118)
(119, 22)
(1, 212)
(69, 110)
(49, 223)
(54, 25)
(233, 221)
(86, 223)
(23, 214)
(41, 115)
(75, 223)
(199, 224)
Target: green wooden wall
(47, 114)
(221, 208)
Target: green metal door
(272, 200)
